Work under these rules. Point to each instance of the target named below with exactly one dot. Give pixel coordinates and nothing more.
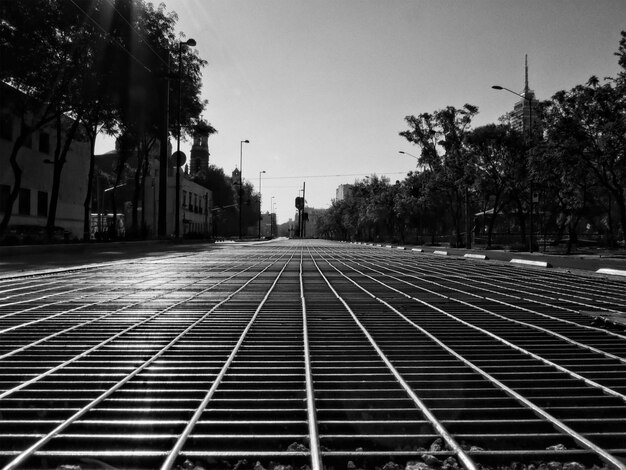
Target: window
(195, 203)
(5, 192)
(6, 126)
(24, 206)
(42, 203)
(184, 198)
(44, 142)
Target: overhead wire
(110, 38)
(134, 28)
(330, 176)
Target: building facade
(196, 201)
(342, 192)
(30, 211)
(35, 159)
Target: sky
(321, 88)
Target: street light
(260, 215)
(241, 142)
(409, 154)
(188, 42)
(530, 139)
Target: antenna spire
(526, 89)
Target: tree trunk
(521, 218)
(621, 205)
(60, 157)
(88, 197)
(44, 119)
(17, 182)
(136, 194)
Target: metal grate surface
(311, 354)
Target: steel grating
(311, 354)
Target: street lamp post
(260, 214)
(241, 184)
(189, 42)
(530, 139)
(409, 154)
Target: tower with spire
(525, 111)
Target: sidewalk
(24, 258)
(583, 261)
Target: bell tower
(199, 161)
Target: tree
(97, 62)
(499, 159)
(30, 34)
(442, 138)
(586, 126)
(225, 221)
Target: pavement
(583, 261)
(27, 258)
(19, 259)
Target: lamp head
(246, 141)
(497, 87)
(190, 42)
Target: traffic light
(299, 203)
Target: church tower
(199, 159)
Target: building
(526, 111)
(199, 158)
(35, 159)
(196, 201)
(268, 225)
(343, 191)
(30, 211)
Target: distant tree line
(92, 66)
(480, 181)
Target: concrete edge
(612, 272)
(528, 262)
(475, 256)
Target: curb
(527, 262)
(475, 256)
(613, 272)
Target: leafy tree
(586, 127)
(442, 138)
(499, 160)
(429, 206)
(98, 63)
(30, 34)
